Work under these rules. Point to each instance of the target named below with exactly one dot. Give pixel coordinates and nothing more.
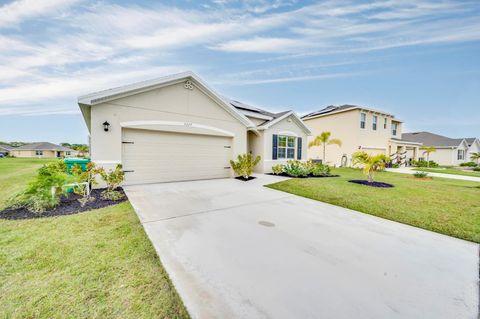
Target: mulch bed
(308, 176)
(373, 184)
(241, 178)
(69, 205)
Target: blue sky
(418, 59)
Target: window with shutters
(286, 147)
(460, 155)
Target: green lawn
(447, 206)
(453, 171)
(97, 264)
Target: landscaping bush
(423, 163)
(296, 168)
(44, 192)
(113, 179)
(469, 164)
(395, 165)
(420, 174)
(476, 169)
(245, 164)
(320, 170)
(278, 169)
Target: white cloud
(17, 11)
(263, 45)
(102, 44)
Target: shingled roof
(6, 147)
(431, 139)
(42, 146)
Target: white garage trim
(136, 124)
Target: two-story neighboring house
(360, 129)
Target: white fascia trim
(406, 142)
(284, 116)
(132, 124)
(127, 90)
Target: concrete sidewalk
(410, 170)
(236, 249)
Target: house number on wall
(188, 124)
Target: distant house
(449, 151)
(43, 150)
(360, 129)
(5, 149)
(473, 146)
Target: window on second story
(460, 155)
(374, 124)
(363, 118)
(385, 123)
(394, 128)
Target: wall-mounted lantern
(106, 126)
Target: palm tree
(323, 140)
(427, 150)
(475, 157)
(371, 163)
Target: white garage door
(153, 156)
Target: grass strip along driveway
(447, 206)
(452, 171)
(96, 264)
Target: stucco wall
(474, 148)
(172, 103)
(443, 156)
(346, 127)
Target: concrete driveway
(236, 249)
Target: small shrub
(113, 179)
(469, 164)
(45, 191)
(420, 174)
(476, 169)
(395, 165)
(423, 163)
(320, 170)
(278, 169)
(245, 164)
(295, 168)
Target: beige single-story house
(449, 151)
(42, 150)
(178, 128)
(5, 149)
(360, 129)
